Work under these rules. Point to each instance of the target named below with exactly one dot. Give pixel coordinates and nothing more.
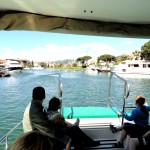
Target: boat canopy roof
(113, 18)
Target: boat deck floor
(105, 144)
(102, 133)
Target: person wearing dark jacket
(39, 120)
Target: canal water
(79, 89)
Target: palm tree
(136, 54)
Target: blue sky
(42, 46)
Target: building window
(144, 65)
(136, 65)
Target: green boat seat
(88, 112)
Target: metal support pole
(109, 90)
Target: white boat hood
(114, 18)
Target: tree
(32, 63)
(145, 50)
(106, 58)
(122, 57)
(136, 53)
(80, 59)
(83, 59)
(43, 64)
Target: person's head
(33, 140)
(38, 93)
(54, 104)
(140, 100)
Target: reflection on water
(70, 75)
(10, 81)
(79, 89)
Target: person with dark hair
(55, 116)
(39, 120)
(140, 116)
(33, 140)
(38, 93)
(78, 137)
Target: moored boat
(4, 72)
(92, 70)
(136, 67)
(13, 66)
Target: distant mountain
(65, 61)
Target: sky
(43, 46)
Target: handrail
(60, 83)
(70, 116)
(126, 94)
(60, 86)
(5, 137)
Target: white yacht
(13, 66)
(134, 66)
(92, 69)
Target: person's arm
(129, 117)
(148, 107)
(59, 119)
(147, 134)
(40, 122)
(37, 119)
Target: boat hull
(14, 69)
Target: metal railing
(126, 94)
(59, 83)
(5, 137)
(60, 86)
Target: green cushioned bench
(88, 112)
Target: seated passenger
(140, 115)
(54, 115)
(39, 121)
(79, 138)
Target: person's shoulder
(135, 110)
(148, 107)
(52, 113)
